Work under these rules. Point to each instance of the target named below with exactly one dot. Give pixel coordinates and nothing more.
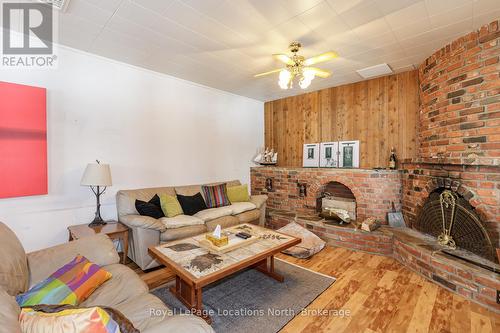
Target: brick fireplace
(459, 134)
(458, 151)
(373, 190)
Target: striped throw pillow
(71, 284)
(215, 195)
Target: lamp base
(97, 222)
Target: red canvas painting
(23, 140)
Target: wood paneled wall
(381, 113)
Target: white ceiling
(223, 43)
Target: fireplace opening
(453, 221)
(337, 195)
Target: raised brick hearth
(374, 190)
(411, 248)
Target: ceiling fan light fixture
(304, 83)
(297, 67)
(284, 80)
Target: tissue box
(223, 240)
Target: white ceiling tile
(196, 21)
(408, 15)
(207, 7)
(163, 26)
(242, 19)
(295, 7)
(323, 20)
(482, 19)
(435, 7)
(360, 14)
(413, 29)
(341, 6)
(110, 5)
(222, 43)
(273, 12)
(456, 14)
(391, 6)
(157, 6)
(88, 11)
(485, 6)
(375, 27)
(119, 46)
(295, 30)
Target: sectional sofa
(125, 291)
(147, 231)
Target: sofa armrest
(141, 221)
(98, 249)
(258, 200)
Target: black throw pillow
(151, 208)
(192, 204)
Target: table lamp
(96, 176)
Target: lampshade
(96, 175)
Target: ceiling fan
(298, 66)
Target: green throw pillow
(238, 193)
(170, 205)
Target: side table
(114, 230)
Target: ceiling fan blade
(318, 72)
(270, 72)
(320, 58)
(284, 58)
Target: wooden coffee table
(195, 266)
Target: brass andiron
(447, 199)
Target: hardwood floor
(381, 296)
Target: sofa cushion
(225, 222)
(68, 319)
(56, 256)
(192, 204)
(240, 207)
(214, 213)
(238, 193)
(9, 312)
(125, 199)
(248, 216)
(215, 195)
(71, 284)
(170, 205)
(144, 311)
(181, 324)
(180, 221)
(310, 244)
(151, 208)
(14, 274)
(124, 285)
(179, 233)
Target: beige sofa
(147, 231)
(125, 291)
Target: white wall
(153, 129)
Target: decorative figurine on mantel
(392, 159)
(266, 157)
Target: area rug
(250, 301)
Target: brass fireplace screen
(453, 221)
